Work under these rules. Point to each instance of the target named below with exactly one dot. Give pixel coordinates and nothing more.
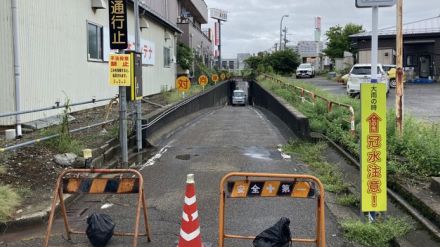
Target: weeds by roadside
(64, 143)
(173, 96)
(377, 234)
(2, 169)
(416, 154)
(311, 154)
(348, 200)
(368, 234)
(9, 200)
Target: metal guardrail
(314, 97)
(57, 105)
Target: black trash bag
(278, 235)
(100, 229)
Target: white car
(238, 97)
(361, 73)
(305, 70)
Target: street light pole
(281, 31)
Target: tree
(339, 40)
(185, 56)
(284, 62)
(281, 62)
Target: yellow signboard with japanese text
(120, 70)
(203, 80)
(183, 84)
(214, 78)
(373, 147)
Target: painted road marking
(153, 159)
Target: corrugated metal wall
(7, 61)
(53, 43)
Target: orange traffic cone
(190, 227)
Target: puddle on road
(183, 157)
(262, 153)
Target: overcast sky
(254, 25)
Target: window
(411, 61)
(363, 70)
(166, 57)
(94, 41)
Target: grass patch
(375, 234)
(2, 169)
(348, 200)
(173, 96)
(312, 154)
(415, 154)
(9, 200)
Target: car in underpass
(238, 97)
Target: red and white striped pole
(190, 226)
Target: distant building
(309, 49)
(191, 15)
(421, 48)
(293, 47)
(234, 64)
(241, 57)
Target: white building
(307, 49)
(63, 53)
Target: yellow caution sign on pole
(120, 70)
(374, 147)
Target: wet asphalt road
(421, 100)
(217, 142)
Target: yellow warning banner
(373, 147)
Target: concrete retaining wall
(215, 96)
(294, 119)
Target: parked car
(305, 70)
(391, 71)
(238, 97)
(361, 73)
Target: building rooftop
(425, 26)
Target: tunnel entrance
(239, 84)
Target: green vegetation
(64, 143)
(9, 200)
(339, 40)
(375, 234)
(416, 153)
(282, 62)
(174, 96)
(185, 56)
(2, 169)
(312, 154)
(348, 200)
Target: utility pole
(123, 122)
(285, 38)
(399, 69)
(138, 102)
